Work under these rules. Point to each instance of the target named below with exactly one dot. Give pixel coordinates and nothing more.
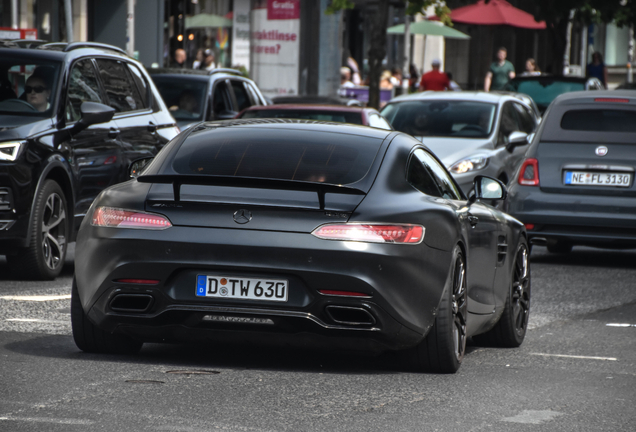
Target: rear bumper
(608, 221)
(403, 284)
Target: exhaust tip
(132, 303)
(348, 315)
(539, 241)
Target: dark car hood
(22, 127)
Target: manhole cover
(193, 372)
(141, 381)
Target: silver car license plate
(232, 287)
(598, 179)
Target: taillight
(373, 233)
(529, 174)
(120, 218)
(612, 100)
(529, 226)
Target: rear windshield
(600, 120)
(185, 98)
(320, 157)
(27, 86)
(442, 118)
(323, 115)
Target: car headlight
(470, 164)
(9, 151)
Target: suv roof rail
(225, 70)
(77, 45)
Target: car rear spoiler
(258, 183)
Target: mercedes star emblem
(242, 216)
(601, 151)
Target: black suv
(197, 95)
(72, 119)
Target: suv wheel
(44, 257)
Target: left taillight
(120, 218)
(372, 233)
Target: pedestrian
(531, 68)
(501, 71)
(355, 70)
(414, 78)
(385, 80)
(345, 77)
(396, 77)
(196, 64)
(453, 85)
(435, 80)
(597, 68)
(180, 58)
(208, 60)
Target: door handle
(473, 220)
(152, 127)
(113, 133)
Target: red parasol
(495, 12)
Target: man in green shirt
(500, 72)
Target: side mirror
(489, 189)
(138, 166)
(516, 139)
(93, 113)
(226, 115)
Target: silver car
(473, 133)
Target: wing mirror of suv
(487, 188)
(226, 115)
(516, 139)
(138, 166)
(93, 113)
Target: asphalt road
(576, 370)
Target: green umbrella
(207, 20)
(430, 29)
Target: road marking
(41, 298)
(48, 420)
(576, 357)
(533, 417)
(620, 325)
(35, 320)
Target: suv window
(82, 87)
(122, 93)
(429, 177)
(142, 86)
(221, 99)
(18, 73)
(240, 93)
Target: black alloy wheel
(44, 257)
(444, 347)
(512, 326)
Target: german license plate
(241, 288)
(597, 179)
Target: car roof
(296, 124)
(60, 51)
(309, 107)
(479, 96)
(590, 96)
(544, 77)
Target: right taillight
(529, 173)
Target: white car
(473, 133)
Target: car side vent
(502, 249)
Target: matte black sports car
(296, 232)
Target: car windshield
(185, 98)
(442, 118)
(321, 157)
(322, 115)
(544, 91)
(27, 86)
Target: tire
(91, 339)
(510, 330)
(44, 258)
(443, 349)
(559, 247)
